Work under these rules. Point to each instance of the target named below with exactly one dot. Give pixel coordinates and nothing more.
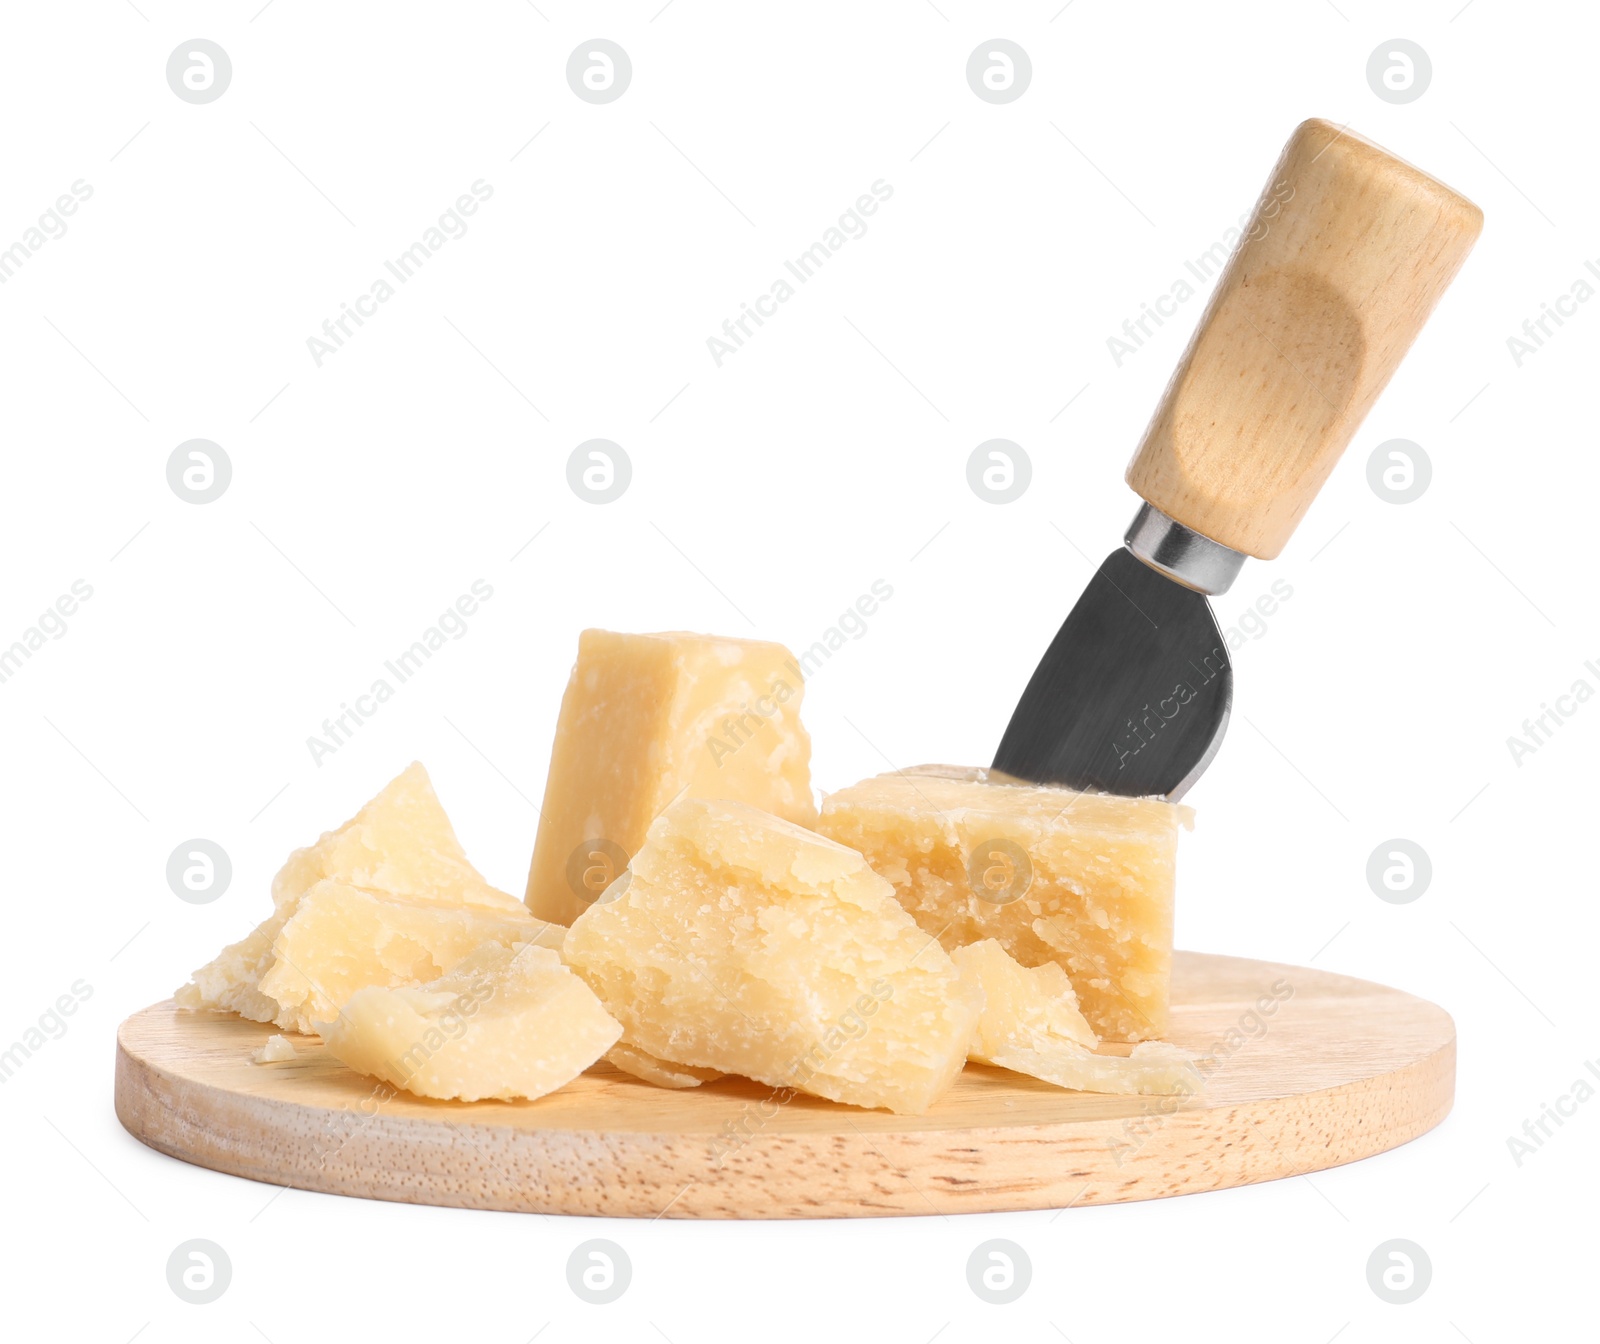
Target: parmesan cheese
(1031, 1024)
(341, 939)
(1081, 880)
(662, 1072)
(401, 842)
(275, 1050)
(505, 1023)
(742, 943)
(648, 719)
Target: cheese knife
(1347, 252)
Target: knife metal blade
(1132, 696)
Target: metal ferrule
(1185, 557)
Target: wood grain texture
(1340, 1070)
(1347, 253)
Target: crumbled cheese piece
(401, 842)
(341, 939)
(505, 1023)
(743, 943)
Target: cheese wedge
(505, 1023)
(647, 719)
(1081, 880)
(400, 842)
(1031, 1024)
(341, 939)
(742, 943)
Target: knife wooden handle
(1345, 256)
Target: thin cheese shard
(742, 943)
(1081, 880)
(648, 719)
(341, 939)
(1031, 1024)
(662, 1072)
(401, 842)
(505, 1023)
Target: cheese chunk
(400, 842)
(648, 719)
(649, 1069)
(341, 939)
(505, 1023)
(231, 981)
(743, 943)
(662, 1072)
(1081, 880)
(1031, 1024)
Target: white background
(767, 495)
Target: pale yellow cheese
(230, 981)
(341, 939)
(400, 842)
(275, 1050)
(1037, 1000)
(1079, 879)
(1151, 1068)
(743, 943)
(1031, 1024)
(631, 1060)
(505, 1023)
(662, 1072)
(648, 719)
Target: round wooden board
(1339, 1070)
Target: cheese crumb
(274, 1050)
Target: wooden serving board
(1341, 1069)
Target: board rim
(869, 1165)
